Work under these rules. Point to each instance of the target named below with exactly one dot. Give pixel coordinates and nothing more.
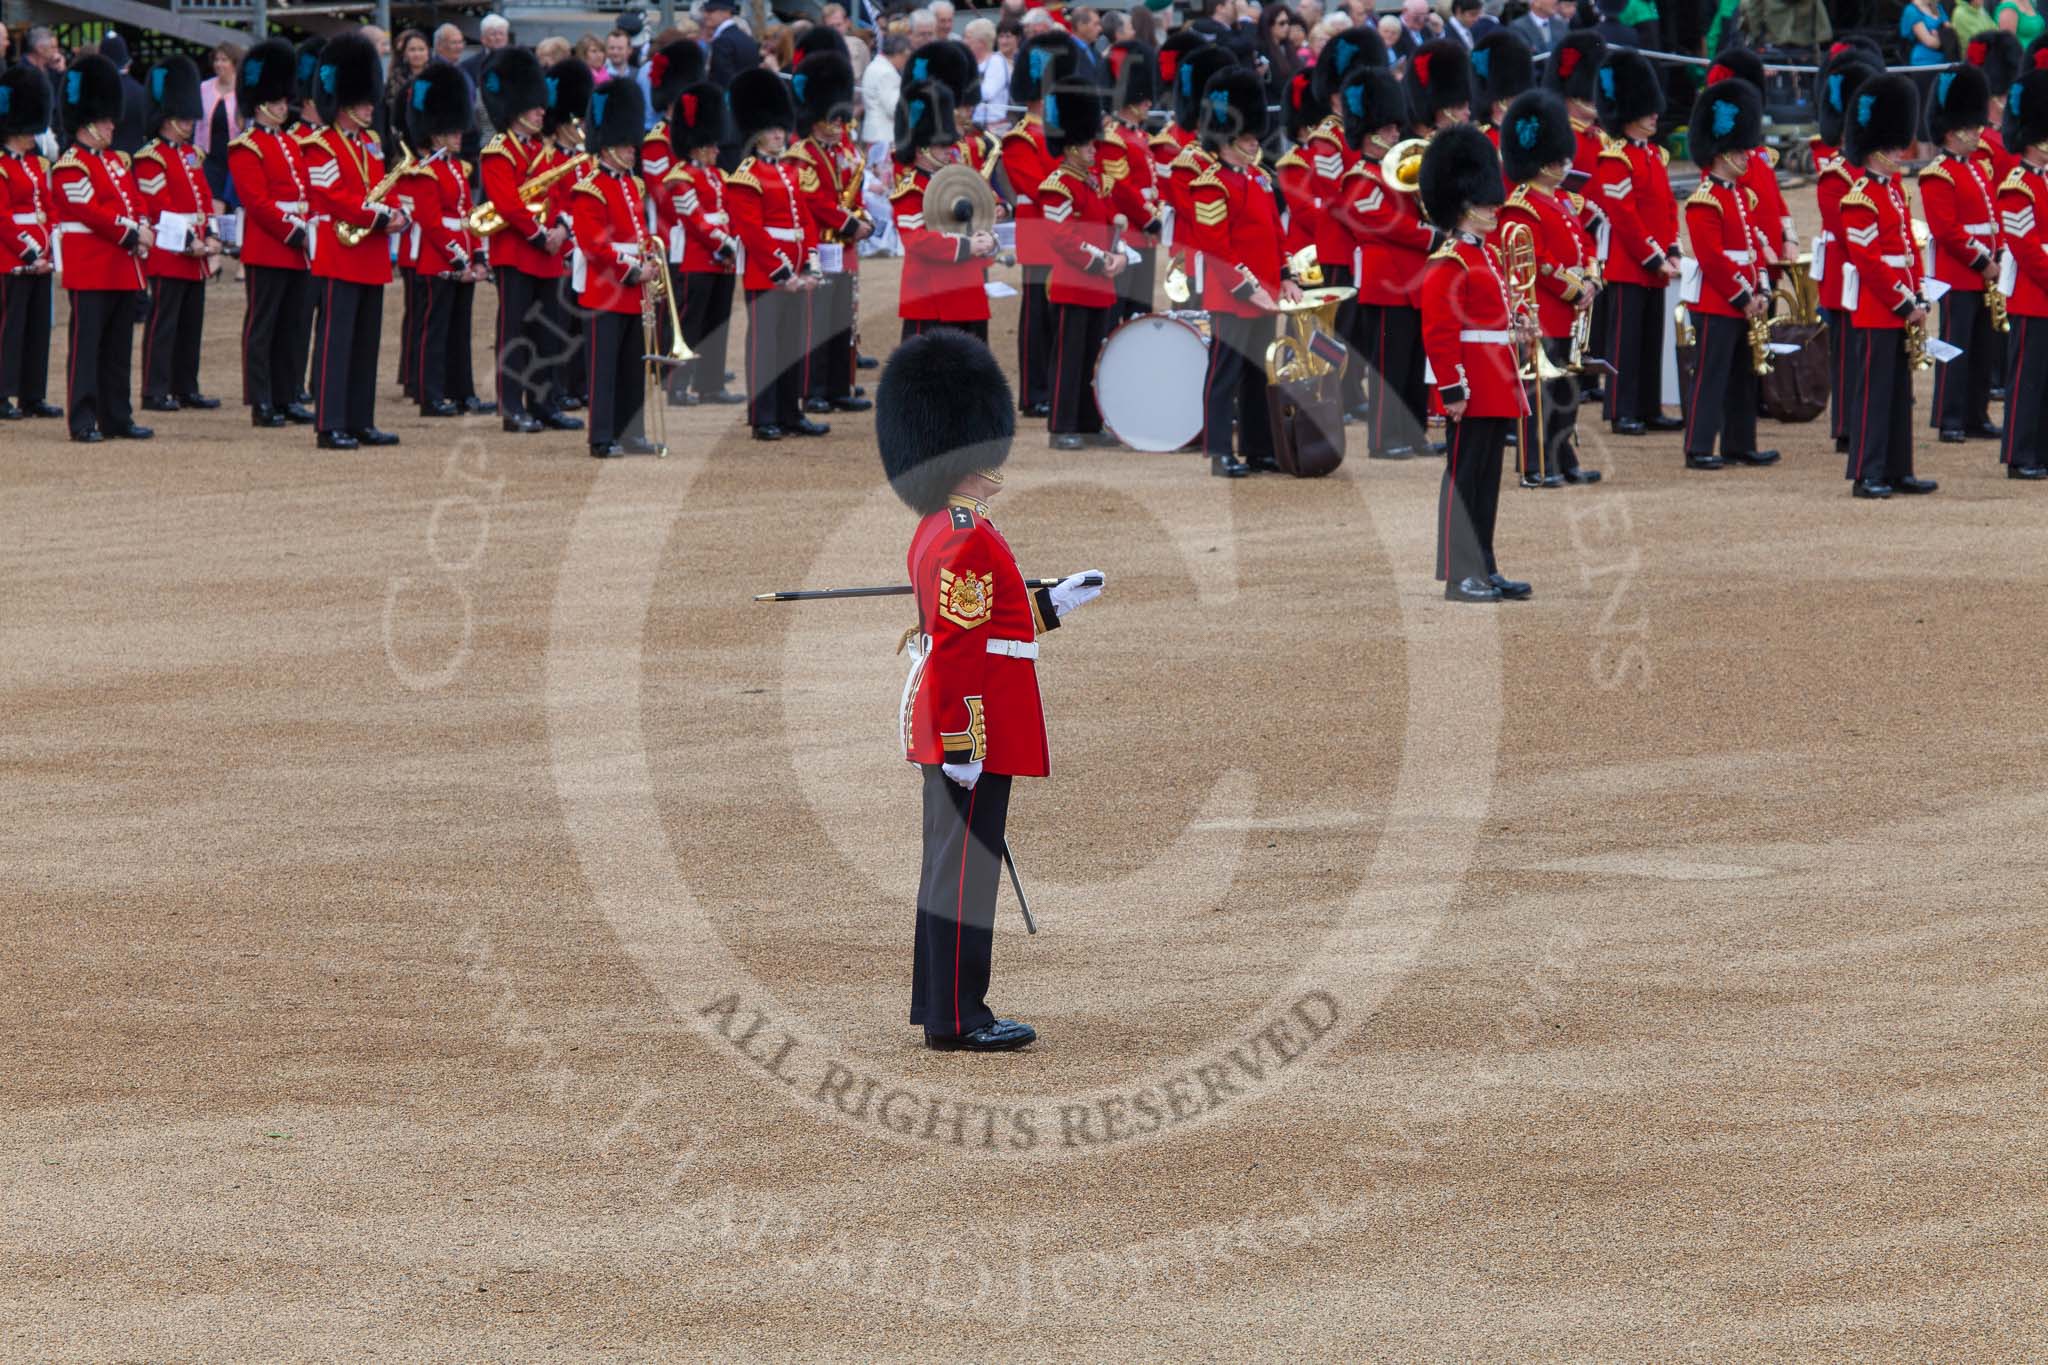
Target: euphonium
(1290, 359)
(1796, 293)
(349, 233)
(486, 221)
(1401, 167)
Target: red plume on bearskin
(1568, 62)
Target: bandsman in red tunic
(305, 127)
(702, 244)
(26, 263)
(1124, 165)
(1733, 288)
(829, 173)
(1999, 56)
(1960, 199)
(102, 234)
(274, 224)
(1170, 141)
(1839, 81)
(1080, 223)
(529, 255)
(167, 171)
(1183, 235)
(1027, 161)
(676, 66)
(776, 237)
(1535, 135)
(1632, 182)
(1884, 295)
(1503, 69)
(971, 719)
(616, 254)
(2023, 225)
(1772, 217)
(945, 267)
(448, 259)
(1332, 160)
(1573, 72)
(563, 327)
(1468, 331)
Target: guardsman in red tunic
(448, 258)
(971, 716)
(1536, 151)
(1633, 186)
(1468, 331)
(274, 225)
(1124, 165)
(1183, 236)
(102, 234)
(670, 71)
(1884, 295)
(1044, 61)
(617, 253)
(702, 244)
(1573, 71)
(528, 254)
(1503, 70)
(1960, 199)
(1332, 159)
(167, 171)
(2023, 225)
(562, 326)
(1086, 261)
(1999, 56)
(26, 262)
(944, 266)
(1390, 249)
(829, 172)
(345, 165)
(1733, 288)
(1771, 217)
(304, 128)
(776, 236)
(1169, 142)
(1294, 173)
(1839, 81)
(1234, 222)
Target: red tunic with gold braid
(1877, 227)
(609, 209)
(1465, 330)
(775, 231)
(269, 172)
(1564, 255)
(342, 167)
(1728, 246)
(1962, 219)
(24, 210)
(171, 182)
(98, 213)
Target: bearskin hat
(1840, 79)
(1133, 75)
(436, 103)
(92, 92)
(1728, 116)
(924, 118)
(823, 87)
(1629, 90)
(1370, 99)
(942, 411)
(568, 84)
(1960, 99)
(1172, 52)
(760, 100)
(306, 70)
(350, 74)
(816, 41)
(618, 116)
(679, 64)
(1343, 54)
(1299, 112)
(1073, 115)
(1995, 52)
(265, 77)
(1536, 132)
(949, 63)
(1042, 63)
(2026, 112)
(173, 89)
(697, 118)
(1196, 70)
(1439, 78)
(1460, 169)
(1233, 105)
(1884, 116)
(24, 101)
(2036, 56)
(512, 83)
(1575, 65)
(1502, 68)
(1737, 64)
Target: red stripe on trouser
(326, 339)
(1451, 496)
(248, 321)
(1380, 387)
(71, 361)
(960, 906)
(1059, 361)
(421, 324)
(1699, 375)
(2016, 403)
(1941, 370)
(1863, 419)
(1208, 383)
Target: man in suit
(733, 49)
(1463, 26)
(1541, 27)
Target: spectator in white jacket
(880, 87)
(992, 111)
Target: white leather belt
(1897, 262)
(1015, 649)
(714, 217)
(455, 224)
(1486, 337)
(27, 219)
(291, 206)
(1739, 257)
(1827, 236)
(785, 234)
(627, 251)
(1982, 229)
(66, 229)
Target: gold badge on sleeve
(967, 599)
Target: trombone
(1518, 247)
(654, 263)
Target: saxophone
(349, 233)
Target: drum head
(1148, 382)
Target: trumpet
(1178, 290)
(486, 221)
(349, 233)
(1681, 322)
(1401, 167)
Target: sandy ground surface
(447, 919)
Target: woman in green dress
(2020, 18)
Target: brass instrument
(1760, 344)
(1582, 327)
(1994, 299)
(1289, 358)
(654, 292)
(1795, 298)
(486, 221)
(1518, 255)
(1916, 347)
(349, 233)
(1304, 269)
(1401, 167)
(1681, 321)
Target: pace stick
(894, 590)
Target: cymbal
(959, 200)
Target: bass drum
(1148, 382)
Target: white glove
(966, 774)
(1071, 591)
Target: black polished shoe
(817, 405)
(444, 407)
(162, 403)
(1065, 440)
(197, 400)
(1985, 431)
(1553, 480)
(302, 399)
(2025, 471)
(730, 376)
(299, 415)
(866, 362)
(569, 402)
(1997, 394)
(725, 397)
(1662, 423)
(1704, 462)
(1531, 481)
(1104, 440)
(1629, 426)
(131, 432)
(266, 417)
(554, 419)
(1038, 410)
(636, 445)
(854, 404)
(684, 399)
(477, 407)
(806, 427)
(1582, 475)
(1951, 436)
(1471, 590)
(768, 433)
(859, 391)
(370, 436)
(1437, 447)
(1228, 467)
(41, 409)
(10, 413)
(519, 423)
(1512, 589)
(336, 440)
(1871, 488)
(610, 450)
(1755, 457)
(1912, 486)
(1392, 453)
(1004, 1035)
(89, 437)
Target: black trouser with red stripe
(828, 367)
(1722, 400)
(2026, 393)
(1558, 452)
(171, 339)
(1134, 284)
(25, 338)
(775, 357)
(345, 359)
(1962, 387)
(1837, 321)
(1034, 337)
(274, 335)
(1078, 330)
(528, 349)
(956, 902)
(1469, 500)
(441, 363)
(617, 376)
(1880, 405)
(1389, 340)
(1636, 350)
(917, 327)
(1235, 386)
(409, 283)
(704, 302)
(101, 360)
